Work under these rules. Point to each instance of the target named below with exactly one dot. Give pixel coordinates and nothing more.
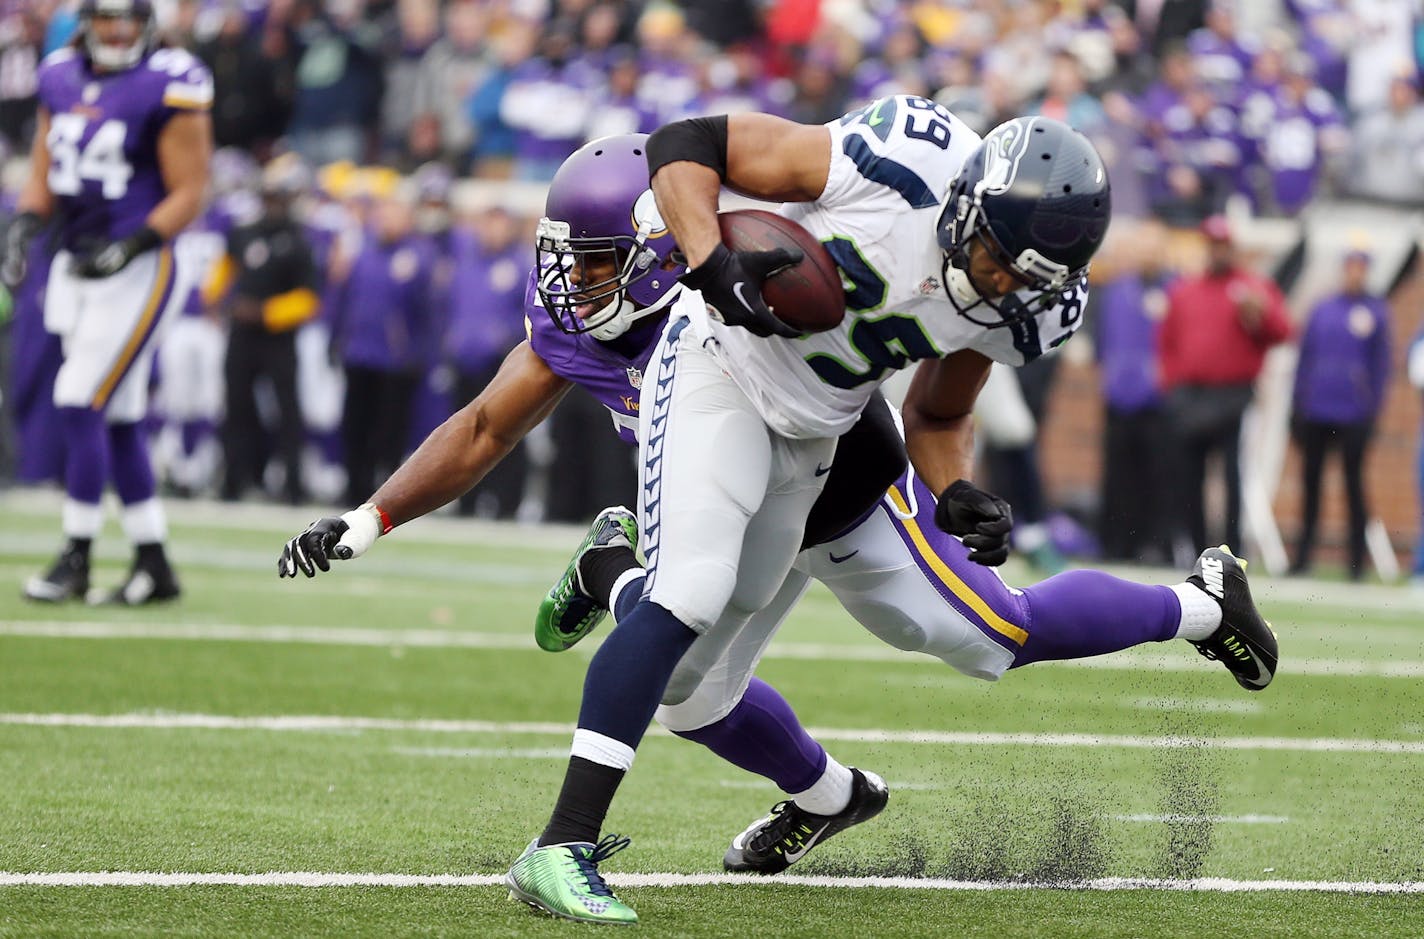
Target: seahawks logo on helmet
(1004, 150)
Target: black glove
(15, 249)
(113, 257)
(980, 518)
(730, 282)
(315, 546)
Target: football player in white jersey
(957, 252)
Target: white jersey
(891, 164)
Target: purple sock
(86, 467)
(1082, 613)
(763, 736)
(132, 469)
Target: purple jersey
(613, 378)
(1300, 134)
(103, 137)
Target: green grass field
(395, 720)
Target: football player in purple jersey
(595, 305)
(119, 167)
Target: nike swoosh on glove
(113, 257)
(730, 283)
(980, 519)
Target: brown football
(808, 295)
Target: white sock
(830, 794)
(629, 576)
(81, 519)
(144, 522)
(1201, 615)
(601, 749)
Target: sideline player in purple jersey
(119, 167)
(914, 586)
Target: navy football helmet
(1035, 194)
(114, 57)
(605, 257)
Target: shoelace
(588, 863)
(787, 822)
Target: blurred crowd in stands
(1198, 106)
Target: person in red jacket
(1214, 338)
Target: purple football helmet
(605, 256)
(117, 58)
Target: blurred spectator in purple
(434, 224)
(494, 140)
(21, 36)
(486, 322)
(381, 331)
(449, 73)
(409, 135)
(1066, 97)
(338, 81)
(1201, 158)
(1339, 388)
(1326, 30)
(733, 83)
(1223, 58)
(1176, 75)
(1388, 148)
(1127, 312)
(897, 68)
(547, 104)
(666, 49)
(251, 90)
(1305, 138)
(621, 111)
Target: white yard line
(340, 723)
(1213, 819)
(319, 879)
(1133, 661)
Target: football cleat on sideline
(1245, 642)
(774, 843)
(567, 612)
(66, 579)
(563, 880)
(145, 583)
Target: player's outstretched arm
(455, 456)
(939, 436)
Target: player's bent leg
(578, 602)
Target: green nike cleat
(567, 612)
(563, 880)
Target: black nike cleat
(145, 583)
(1245, 642)
(67, 579)
(774, 843)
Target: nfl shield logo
(929, 285)
(91, 93)
(635, 377)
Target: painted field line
(341, 723)
(1213, 819)
(465, 639)
(318, 879)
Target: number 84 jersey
(103, 137)
(891, 165)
